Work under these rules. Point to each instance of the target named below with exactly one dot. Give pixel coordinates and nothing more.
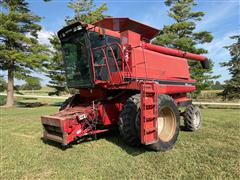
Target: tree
(84, 11)
(32, 83)
(182, 35)
(215, 86)
(56, 68)
(232, 87)
(20, 51)
(3, 84)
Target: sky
(222, 19)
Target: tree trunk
(10, 87)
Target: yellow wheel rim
(166, 123)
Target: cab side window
(115, 48)
(95, 40)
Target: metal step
(148, 113)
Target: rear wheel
(167, 124)
(192, 118)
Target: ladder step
(148, 91)
(148, 114)
(149, 107)
(148, 88)
(148, 85)
(148, 100)
(149, 130)
(149, 117)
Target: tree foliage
(182, 35)
(56, 71)
(232, 87)
(32, 83)
(84, 11)
(3, 84)
(20, 51)
(215, 86)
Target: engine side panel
(158, 66)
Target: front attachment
(64, 126)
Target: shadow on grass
(30, 104)
(54, 144)
(111, 136)
(114, 137)
(29, 98)
(21, 104)
(79, 141)
(183, 128)
(56, 104)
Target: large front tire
(129, 121)
(168, 123)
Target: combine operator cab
(90, 57)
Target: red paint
(173, 52)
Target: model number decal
(83, 116)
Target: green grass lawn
(41, 92)
(211, 153)
(24, 101)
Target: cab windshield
(77, 59)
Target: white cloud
(154, 16)
(216, 14)
(218, 54)
(216, 49)
(44, 35)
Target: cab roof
(123, 24)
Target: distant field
(210, 96)
(24, 101)
(211, 153)
(44, 91)
(206, 95)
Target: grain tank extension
(124, 81)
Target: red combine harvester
(123, 81)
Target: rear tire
(168, 124)
(129, 121)
(192, 118)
